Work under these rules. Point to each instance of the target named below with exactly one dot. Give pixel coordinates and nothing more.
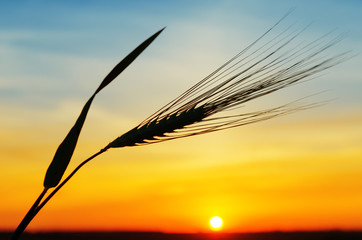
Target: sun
(216, 223)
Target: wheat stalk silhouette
(258, 70)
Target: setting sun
(177, 130)
(216, 223)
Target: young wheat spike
(267, 65)
(260, 69)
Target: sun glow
(216, 223)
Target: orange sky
(285, 174)
(297, 172)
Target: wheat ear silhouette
(260, 69)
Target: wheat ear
(262, 68)
(247, 76)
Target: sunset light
(216, 223)
(213, 126)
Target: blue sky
(53, 52)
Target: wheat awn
(258, 70)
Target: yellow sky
(295, 172)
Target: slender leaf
(65, 150)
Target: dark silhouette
(65, 150)
(258, 70)
(318, 235)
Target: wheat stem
(38, 205)
(28, 217)
(67, 179)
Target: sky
(297, 172)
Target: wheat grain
(158, 128)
